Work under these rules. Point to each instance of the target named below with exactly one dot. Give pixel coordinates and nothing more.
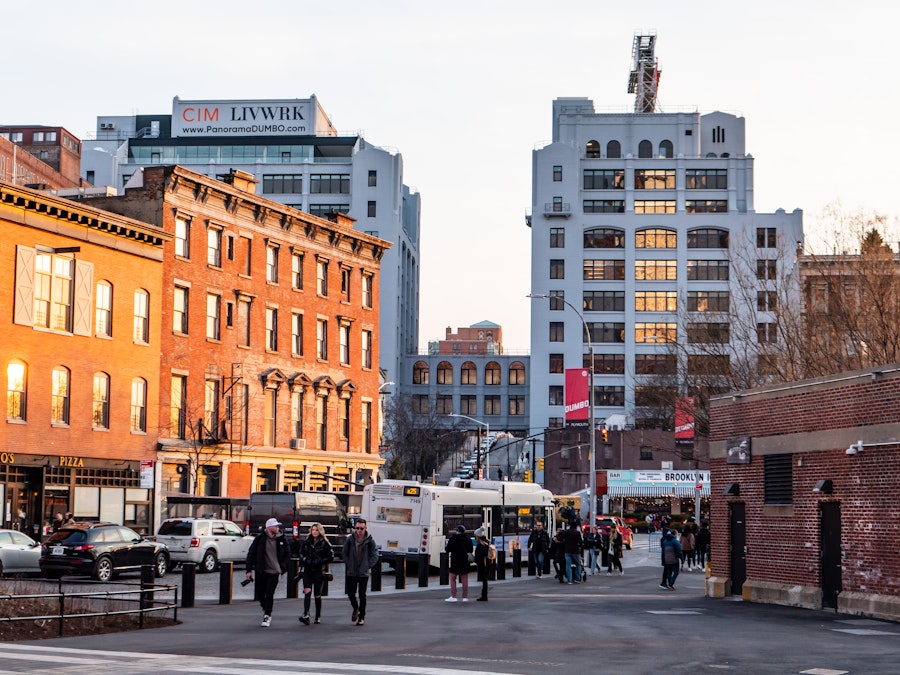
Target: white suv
(205, 541)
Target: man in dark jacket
(573, 546)
(268, 556)
(360, 556)
(538, 545)
(701, 544)
(670, 557)
(459, 546)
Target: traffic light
(540, 464)
(604, 434)
(527, 476)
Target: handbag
(327, 576)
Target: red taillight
(83, 547)
(195, 542)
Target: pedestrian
(670, 557)
(701, 544)
(483, 561)
(539, 545)
(268, 557)
(615, 551)
(315, 554)
(459, 546)
(574, 544)
(360, 556)
(57, 521)
(687, 546)
(591, 549)
(558, 551)
(70, 520)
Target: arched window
(517, 372)
(665, 149)
(709, 237)
(103, 314)
(655, 238)
(139, 404)
(420, 373)
(592, 151)
(492, 373)
(16, 379)
(141, 316)
(613, 150)
(645, 149)
(59, 396)
(604, 237)
(444, 373)
(468, 374)
(100, 407)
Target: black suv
(101, 550)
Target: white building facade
(291, 147)
(645, 223)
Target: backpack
(670, 555)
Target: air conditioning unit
(298, 444)
(107, 125)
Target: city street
(621, 624)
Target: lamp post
(592, 478)
(487, 431)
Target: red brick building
(81, 363)
(20, 167)
(54, 146)
(269, 376)
(805, 482)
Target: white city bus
(413, 518)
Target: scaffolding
(644, 79)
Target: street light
(592, 478)
(487, 431)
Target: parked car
(101, 550)
(604, 522)
(205, 541)
(19, 553)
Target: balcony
(557, 210)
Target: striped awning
(655, 491)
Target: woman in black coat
(482, 563)
(315, 554)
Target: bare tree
(419, 438)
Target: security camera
(855, 448)
(851, 450)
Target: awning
(655, 491)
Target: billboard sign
(280, 117)
(577, 402)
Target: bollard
(147, 578)
(517, 562)
(376, 576)
(532, 565)
(444, 579)
(400, 571)
(423, 570)
(188, 584)
(293, 578)
(226, 569)
(501, 565)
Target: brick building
(269, 376)
(19, 167)
(54, 146)
(81, 363)
(804, 493)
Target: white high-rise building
(291, 147)
(644, 222)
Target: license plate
(58, 550)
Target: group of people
(269, 556)
(462, 554)
(690, 546)
(576, 556)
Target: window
(766, 301)
(272, 329)
(607, 331)
(213, 316)
(706, 179)
(603, 206)
(325, 210)
(766, 269)
(420, 373)
(492, 374)
(468, 405)
(329, 184)
(603, 301)
(558, 205)
(322, 276)
(345, 284)
(100, 403)
(366, 347)
(557, 269)
(655, 270)
(180, 310)
(297, 334)
(555, 394)
(655, 396)
(516, 373)
(592, 150)
(15, 390)
(492, 405)
(708, 301)
(654, 206)
(141, 316)
(645, 149)
(229, 247)
(778, 479)
(344, 418)
(420, 403)
(344, 343)
(103, 311)
(367, 287)
(603, 270)
(322, 339)
(373, 178)
(297, 413)
(371, 209)
(707, 270)
(183, 237)
(139, 404)
(272, 263)
(646, 452)
(765, 237)
(655, 238)
(603, 179)
(557, 173)
(708, 364)
(557, 301)
(297, 271)
(557, 364)
(706, 206)
(444, 404)
(707, 238)
(767, 332)
(613, 150)
(210, 409)
(270, 413)
(656, 332)
(609, 396)
(282, 184)
(606, 364)
(655, 301)
(444, 373)
(654, 179)
(557, 237)
(718, 135)
(517, 405)
(214, 247)
(468, 374)
(665, 149)
(90, 177)
(604, 237)
(655, 364)
(178, 406)
(53, 291)
(244, 322)
(708, 333)
(557, 331)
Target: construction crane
(644, 79)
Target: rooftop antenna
(644, 79)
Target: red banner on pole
(684, 420)
(577, 403)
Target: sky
(464, 91)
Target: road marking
(862, 631)
(823, 671)
(674, 611)
(477, 660)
